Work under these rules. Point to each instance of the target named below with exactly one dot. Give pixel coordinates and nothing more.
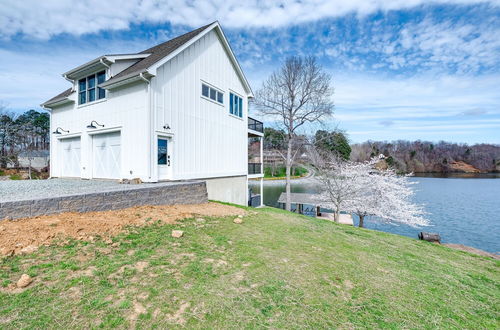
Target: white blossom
(362, 189)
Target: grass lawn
(276, 270)
(280, 172)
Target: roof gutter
(102, 62)
(141, 75)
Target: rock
(200, 220)
(238, 220)
(24, 281)
(124, 181)
(177, 233)
(136, 181)
(28, 249)
(240, 216)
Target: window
(162, 152)
(212, 93)
(235, 105)
(204, 90)
(101, 77)
(88, 90)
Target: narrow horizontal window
(212, 93)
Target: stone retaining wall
(163, 194)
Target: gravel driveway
(14, 190)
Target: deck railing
(254, 168)
(255, 125)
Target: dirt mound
(26, 235)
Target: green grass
(280, 172)
(276, 270)
(16, 177)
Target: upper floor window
(88, 90)
(212, 93)
(235, 105)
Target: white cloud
(44, 19)
(419, 107)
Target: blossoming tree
(361, 189)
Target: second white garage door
(106, 159)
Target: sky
(401, 69)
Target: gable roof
(157, 53)
(59, 97)
(156, 56)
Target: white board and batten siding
(122, 112)
(207, 141)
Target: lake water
(462, 209)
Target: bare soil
(464, 167)
(26, 235)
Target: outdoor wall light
(59, 130)
(94, 126)
(166, 126)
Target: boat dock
(306, 204)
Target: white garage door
(106, 156)
(70, 157)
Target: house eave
(133, 77)
(56, 103)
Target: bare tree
(299, 92)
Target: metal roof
(299, 198)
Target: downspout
(51, 145)
(150, 125)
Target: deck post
(261, 191)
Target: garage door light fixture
(59, 130)
(94, 126)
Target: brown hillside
(463, 167)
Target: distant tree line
(422, 156)
(28, 131)
(335, 142)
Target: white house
(176, 111)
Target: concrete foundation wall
(230, 189)
(182, 193)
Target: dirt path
(26, 235)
